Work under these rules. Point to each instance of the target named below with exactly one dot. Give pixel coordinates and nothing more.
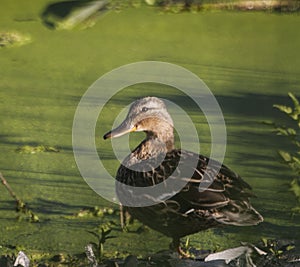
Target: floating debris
(151, 2)
(91, 255)
(231, 254)
(22, 260)
(28, 149)
(66, 15)
(21, 206)
(93, 212)
(195, 6)
(11, 39)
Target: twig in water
(20, 205)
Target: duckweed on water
(194, 6)
(93, 212)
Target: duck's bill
(119, 131)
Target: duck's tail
(239, 213)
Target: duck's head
(148, 114)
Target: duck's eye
(144, 109)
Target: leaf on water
(290, 247)
(285, 109)
(291, 131)
(296, 160)
(34, 218)
(297, 143)
(94, 234)
(296, 112)
(295, 100)
(282, 131)
(267, 122)
(285, 155)
(295, 188)
(265, 241)
(187, 242)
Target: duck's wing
(224, 194)
(208, 187)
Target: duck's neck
(161, 136)
(156, 144)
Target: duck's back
(224, 200)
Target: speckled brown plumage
(225, 201)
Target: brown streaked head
(145, 114)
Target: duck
(187, 210)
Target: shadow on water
(46, 206)
(244, 116)
(252, 105)
(243, 105)
(248, 105)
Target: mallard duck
(190, 210)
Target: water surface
(249, 61)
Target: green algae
(248, 60)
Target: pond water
(250, 61)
